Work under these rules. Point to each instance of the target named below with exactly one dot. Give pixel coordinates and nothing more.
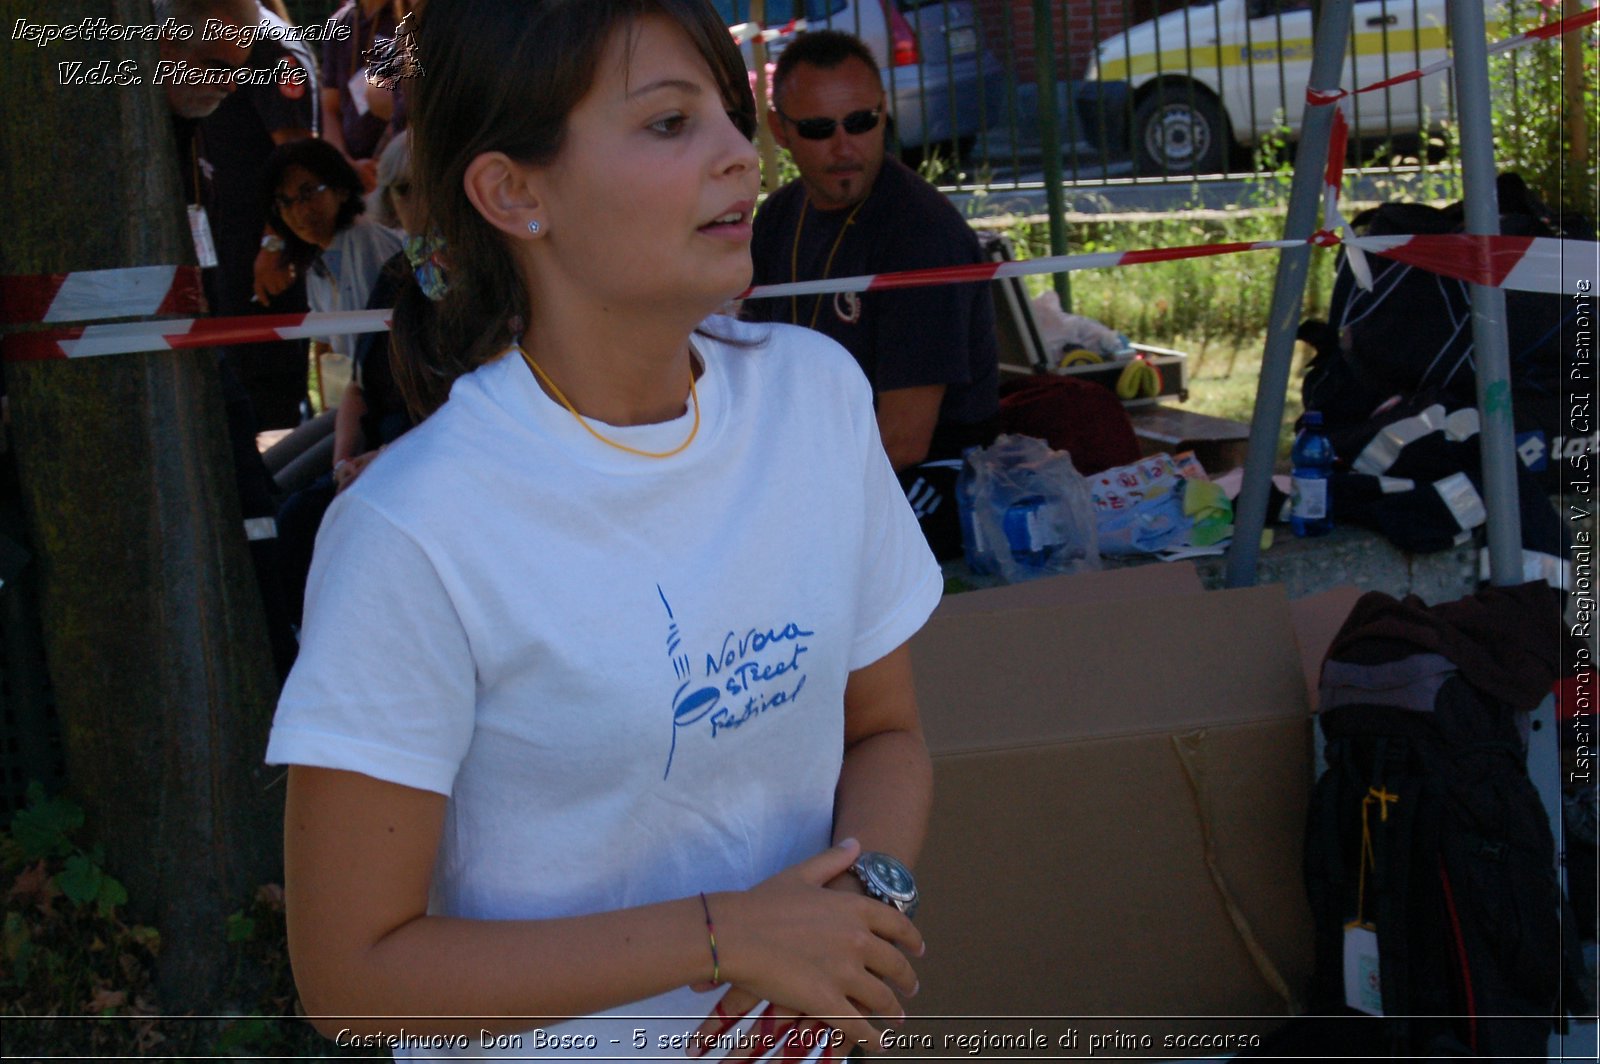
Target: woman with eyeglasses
(603, 731)
(316, 198)
(372, 413)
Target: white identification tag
(1363, 988)
(205, 250)
(358, 91)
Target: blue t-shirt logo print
(752, 670)
(687, 708)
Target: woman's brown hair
(505, 75)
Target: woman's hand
(813, 952)
(775, 1024)
(795, 1037)
(345, 472)
(272, 275)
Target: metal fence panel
(1153, 90)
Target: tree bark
(154, 630)
(758, 61)
(1574, 195)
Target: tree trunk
(758, 61)
(1575, 196)
(154, 630)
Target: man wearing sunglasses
(929, 353)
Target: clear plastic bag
(1025, 511)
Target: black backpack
(1414, 474)
(1426, 829)
(1411, 333)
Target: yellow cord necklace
(694, 397)
(794, 259)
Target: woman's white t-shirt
(626, 674)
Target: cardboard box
(1219, 444)
(1174, 578)
(1317, 619)
(1120, 795)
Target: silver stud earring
(534, 227)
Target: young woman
(603, 689)
(372, 413)
(316, 198)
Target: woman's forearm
(885, 787)
(506, 976)
(358, 861)
(359, 855)
(347, 441)
(885, 794)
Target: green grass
(1215, 309)
(1224, 379)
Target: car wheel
(1180, 129)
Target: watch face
(890, 875)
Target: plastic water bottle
(1312, 458)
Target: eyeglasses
(306, 194)
(855, 123)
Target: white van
(1212, 75)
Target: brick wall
(1077, 24)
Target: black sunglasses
(855, 123)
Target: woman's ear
(501, 190)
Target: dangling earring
(534, 227)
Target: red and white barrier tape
(1532, 264)
(1333, 174)
(177, 333)
(990, 271)
(1522, 263)
(1539, 33)
(749, 31)
(1334, 222)
(89, 295)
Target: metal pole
(1310, 161)
(1044, 64)
(1491, 351)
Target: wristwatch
(272, 242)
(888, 880)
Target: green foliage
(248, 1036)
(76, 978)
(1533, 116)
(1221, 299)
(43, 832)
(1274, 163)
(44, 828)
(84, 882)
(1215, 309)
(241, 928)
(67, 951)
